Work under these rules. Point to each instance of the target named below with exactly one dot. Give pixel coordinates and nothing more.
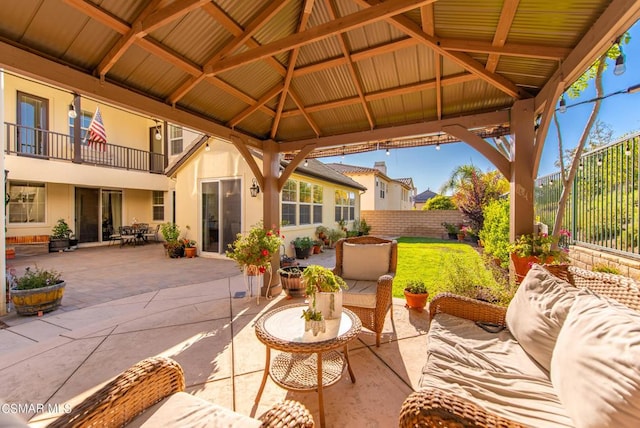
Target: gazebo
(312, 78)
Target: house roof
(344, 75)
(363, 170)
(424, 196)
(317, 169)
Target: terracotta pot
(522, 265)
(190, 252)
(416, 301)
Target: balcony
(44, 144)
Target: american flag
(97, 134)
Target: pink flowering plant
(256, 247)
(540, 245)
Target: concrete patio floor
(123, 305)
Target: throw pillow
(595, 367)
(365, 262)
(537, 312)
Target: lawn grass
(424, 258)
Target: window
(26, 202)
(383, 189)
(158, 205)
(301, 203)
(345, 208)
(289, 199)
(175, 139)
(317, 203)
(85, 122)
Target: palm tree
(459, 176)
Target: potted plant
(324, 289)
(416, 294)
(321, 232)
(60, 234)
(534, 248)
(37, 291)
(313, 321)
(253, 251)
(302, 245)
(189, 248)
(291, 280)
(364, 227)
(171, 234)
(452, 230)
(334, 236)
(317, 246)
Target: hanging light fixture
(72, 111)
(627, 150)
(207, 148)
(437, 146)
(254, 189)
(620, 67)
(388, 154)
(563, 105)
(306, 162)
(158, 134)
(580, 166)
(600, 161)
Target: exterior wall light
(254, 189)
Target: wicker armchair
(432, 407)
(371, 317)
(148, 382)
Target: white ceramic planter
(330, 304)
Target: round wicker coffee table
(306, 362)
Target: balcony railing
(41, 143)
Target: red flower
(265, 252)
(262, 269)
(269, 233)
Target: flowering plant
(188, 243)
(256, 247)
(539, 245)
(37, 278)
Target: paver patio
(123, 305)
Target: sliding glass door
(221, 214)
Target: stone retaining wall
(587, 258)
(411, 223)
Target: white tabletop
(288, 325)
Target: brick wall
(410, 223)
(587, 258)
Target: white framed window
(85, 122)
(301, 203)
(345, 205)
(383, 189)
(27, 202)
(289, 205)
(175, 139)
(158, 205)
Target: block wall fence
(410, 223)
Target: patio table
(306, 362)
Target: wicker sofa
(151, 394)
(568, 355)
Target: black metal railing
(602, 210)
(41, 143)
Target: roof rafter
(255, 106)
(263, 16)
(302, 24)
(507, 14)
(354, 75)
(319, 32)
(411, 28)
(429, 27)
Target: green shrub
(495, 233)
(601, 267)
(439, 202)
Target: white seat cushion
(492, 371)
(537, 312)
(596, 363)
(366, 262)
(186, 410)
(361, 294)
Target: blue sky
(430, 168)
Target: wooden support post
(271, 198)
(522, 155)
